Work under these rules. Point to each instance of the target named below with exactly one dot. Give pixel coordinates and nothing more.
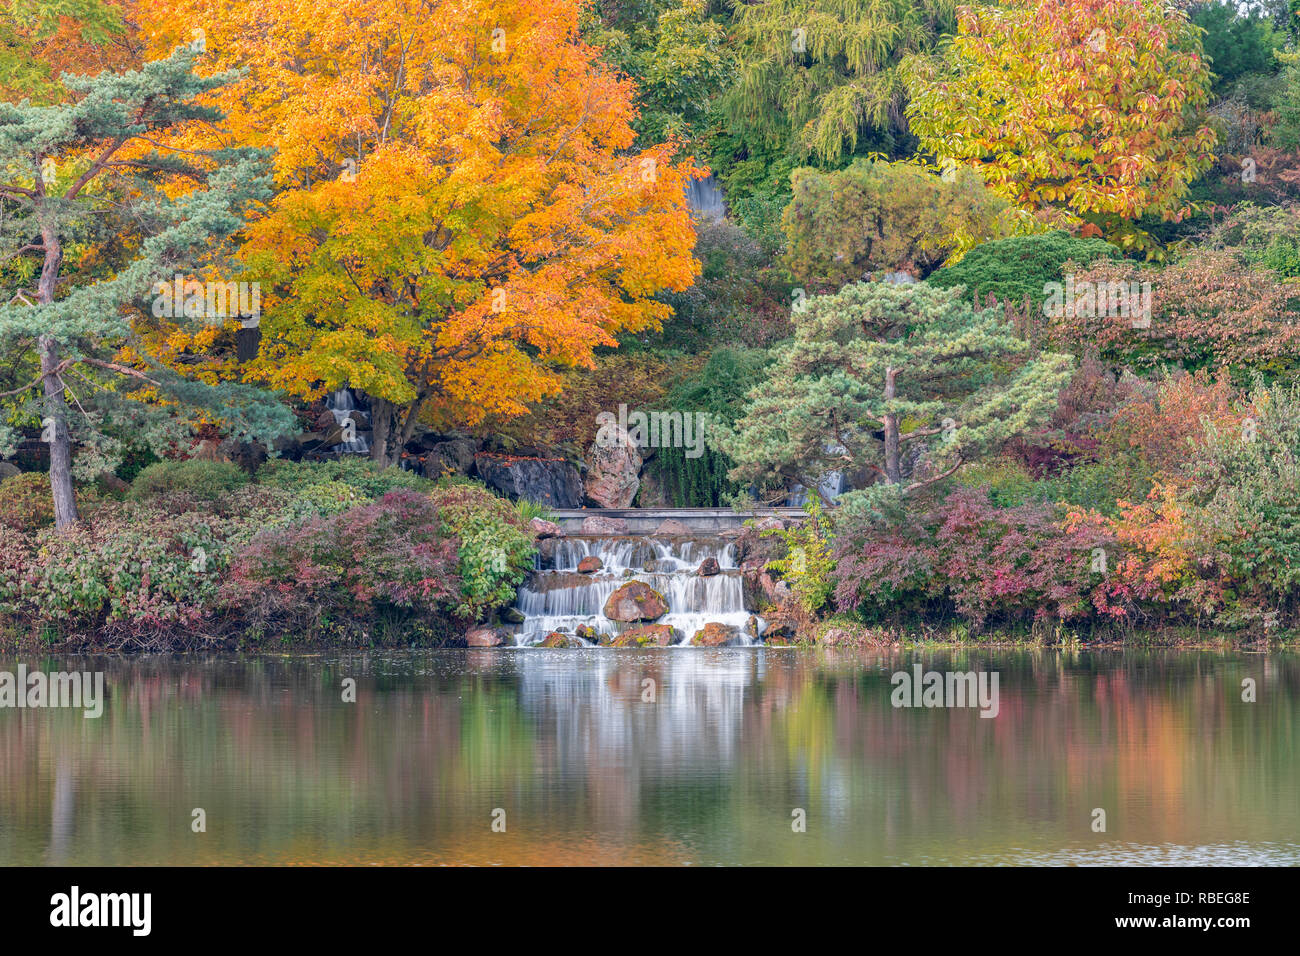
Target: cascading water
(704, 198)
(557, 597)
(342, 405)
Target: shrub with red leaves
(387, 554)
(962, 555)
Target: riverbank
(450, 634)
(200, 555)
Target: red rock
(635, 601)
(647, 635)
(556, 639)
(590, 564)
(485, 637)
(714, 634)
(708, 567)
(545, 529)
(613, 469)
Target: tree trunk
(391, 430)
(55, 425)
(381, 429)
(893, 461)
(55, 421)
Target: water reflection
(674, 756)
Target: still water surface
(588, 769)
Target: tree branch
(122, 370)
(918, 485)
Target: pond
(678, 756)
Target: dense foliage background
(1020, 274)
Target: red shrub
(966, 556)
(387, 553)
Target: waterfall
(556, 597)
(342, 406)
(830, 484)
(704, 198)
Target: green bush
(27, 504)
(192, 478)
(1096, 485)
(1262, 236)
(133, 572)
(273, 506)
(1007, 482)
(1244, 506)
(370, 479)
(1021, 266)
(496, 548)
(528, 510)
(809, 561)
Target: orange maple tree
(462, 209)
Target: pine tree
(94, 172)
(878, 366)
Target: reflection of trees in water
(587, 770)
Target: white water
(704, 198)
(557, 598)
(342, 406)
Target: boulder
(548, 481)
(770, 523)
(671, 527)
(782, 631)
(324, 422)
(485, 637)
(8, 470)
(248, 455)
(708, 567)
(613, 469)
(753, 597)
(647, 635)
(714, 634)
(590, 564)
(635, 601)
(598, 524)
(207, 449)
(590, 634)
(556, 639)
(774, 589)
(452, 457)
(545, 529)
